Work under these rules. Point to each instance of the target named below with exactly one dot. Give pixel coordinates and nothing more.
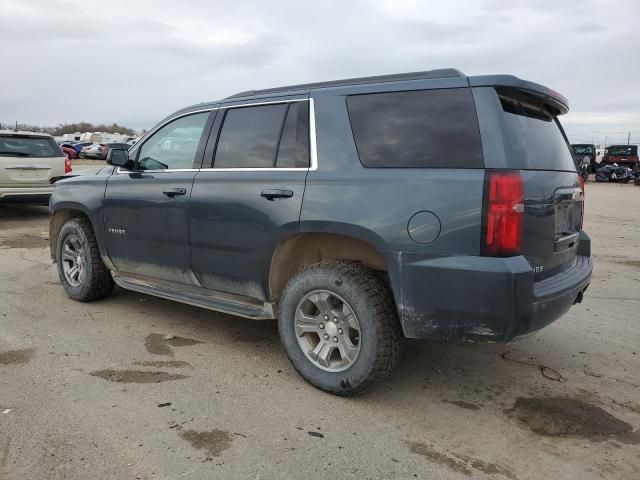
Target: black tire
(369, 297)
(96, 282)
(585, 175)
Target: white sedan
(91, 151)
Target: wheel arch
(60, 216)
(302, 249)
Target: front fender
(82, 195)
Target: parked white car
(28, 161)
(91, 151)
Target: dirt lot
(138, 387)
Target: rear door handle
(174, 192)
(272, 194)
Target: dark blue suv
(357, 212)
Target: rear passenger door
(248, 195)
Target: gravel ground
(138, 387)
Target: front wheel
(339, 326)
(80, 268)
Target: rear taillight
(67, 165)
(503, 213)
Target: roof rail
(438, 73)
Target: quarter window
(294, 143)
(173, 146)
(423, 128)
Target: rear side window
(423, 128)
(533, 137)
(249, 137)
(16, 146)
(265, 136)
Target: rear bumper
(25, 195)
(483, 298)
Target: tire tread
(101, 283)
(378, 295)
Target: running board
(210, 299)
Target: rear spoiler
(557, 103)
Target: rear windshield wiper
(17, 154)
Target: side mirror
(119, 157)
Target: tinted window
(582, 149)
(622, 150)
(250, 136)
(533, 138)
(174, 145)
(294, 144)
(16, 146)
(425, 128)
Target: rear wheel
(339, 327)
(80, 268)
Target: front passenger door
(146, 210)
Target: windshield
(19, 146)
(583, 149)
(533, 137)
(623, 150)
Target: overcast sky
(133, 62)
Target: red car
(69, 152)
(623, 155)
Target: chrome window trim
(257, 104)
(313, 148)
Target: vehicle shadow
(470, 376)
(12, 216)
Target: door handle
(273, 194)
(174, 192)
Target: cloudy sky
(134, 61)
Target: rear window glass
(628, 150)
(533, 138)
(15, 146)
(583, 149)
(423, 128)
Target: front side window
(173, 146)
(422, 128)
